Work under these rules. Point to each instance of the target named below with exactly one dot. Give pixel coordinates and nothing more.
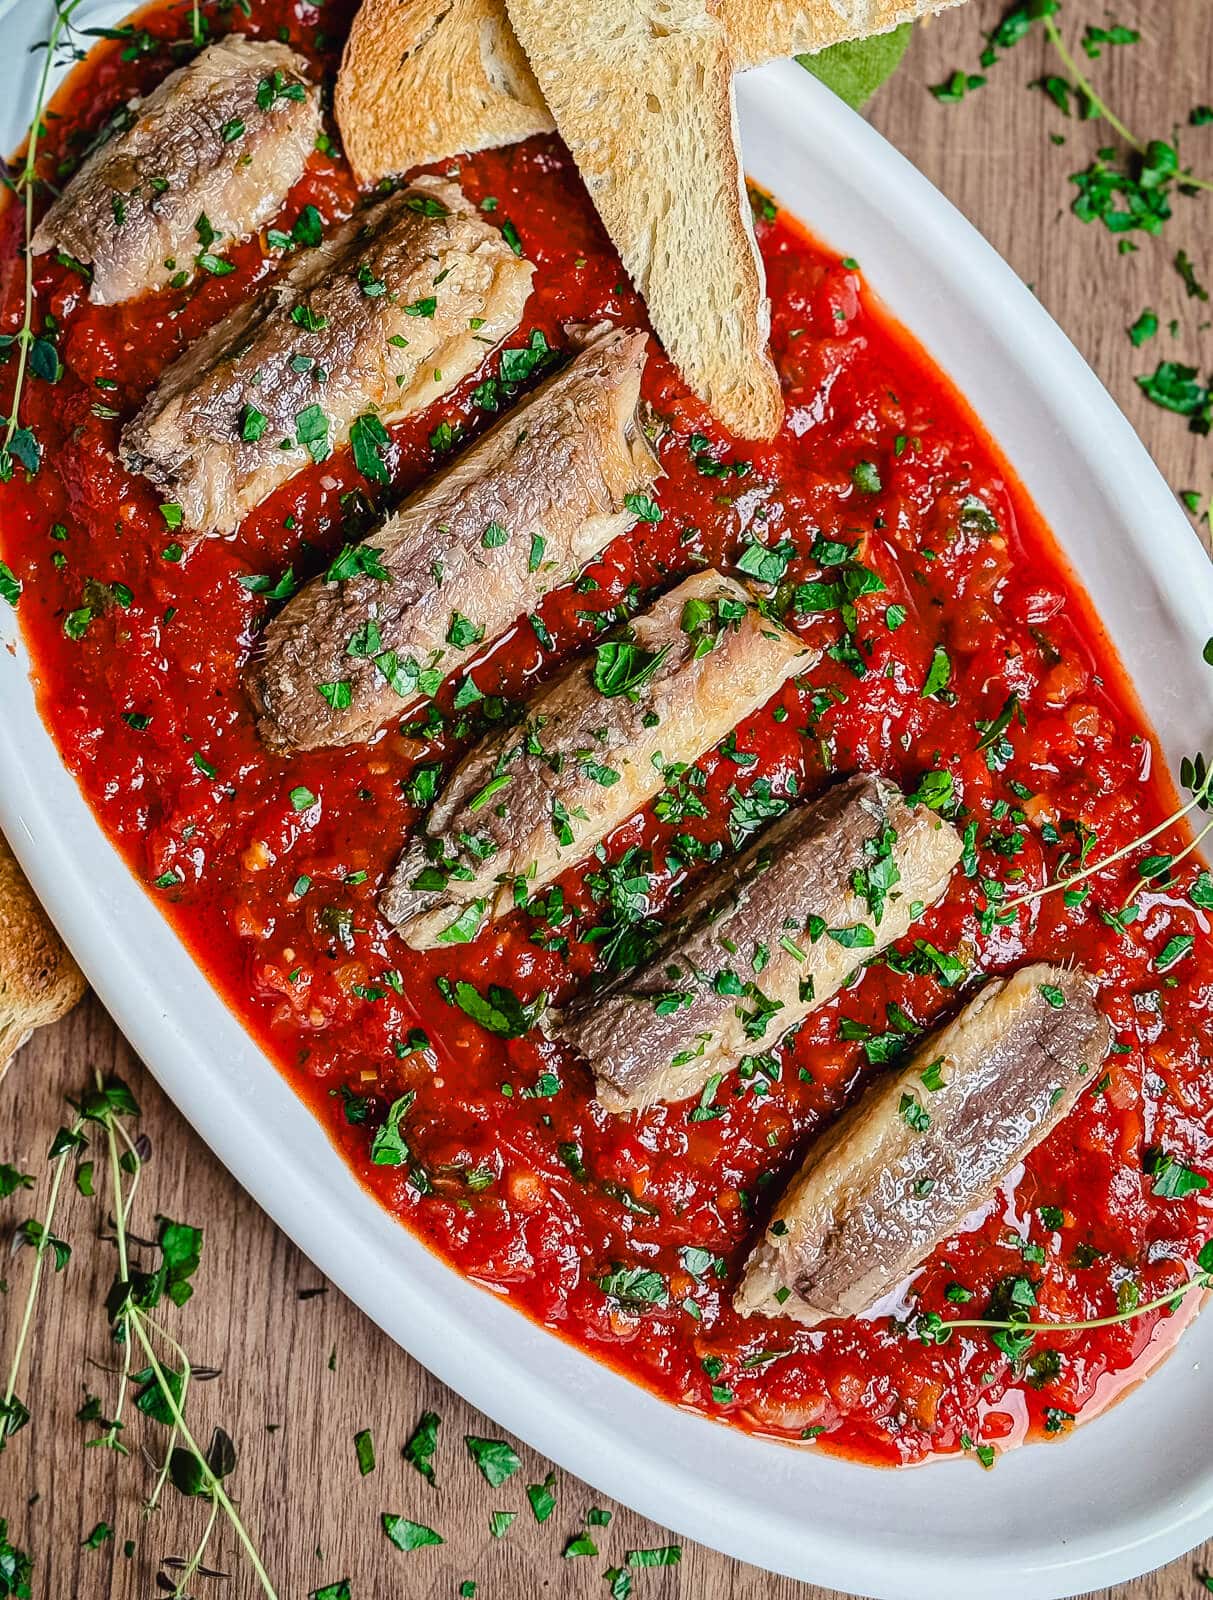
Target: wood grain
(302, 1375)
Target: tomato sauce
(269, 867)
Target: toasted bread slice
(421, 80)
(642, 93)
(39, 981)
(765, 30)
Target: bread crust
(642, 94)
(422, 80)
(39, 981)
(767, 30)
(643, 97)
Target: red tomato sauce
(515, 1175)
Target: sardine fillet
(384, 317)
(224, 137)
(760, 947)
(520, 512)
(531, 800)
(882, 1187)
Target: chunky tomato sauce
(270, 867)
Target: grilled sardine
(521, 512)
(761, 945)
(596, 745)
(924, 1147)
(208, 157)
(379, 321)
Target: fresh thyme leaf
(180, 1251)
(151, 1398)
(1174, 950)
(11, 1180)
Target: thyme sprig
(1099, 105)
(18, 444)
(1144, 191)
(13, 1413)
(931, 1328)
(1202, 796)
(166, 1370)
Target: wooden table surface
(303, 1371)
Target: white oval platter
(1122, 1495)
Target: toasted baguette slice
(39, 981)
(421, 80)
(766, 30)
(647, 110)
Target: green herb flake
(542, 1497)
(369, 442)
(408, 1535)
(496, 1460)
(666, 1555)
(1144, 328)
(1172, 1180)
(939, 674)
(364, 1450)
(421, 1444)
(1173, 951)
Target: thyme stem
(1201, 796)
(1199, 1282)
(134, 1321)
(24, 186)
(1188, 849)
(195, 1560)
(40, 1250)
(1083, 83)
